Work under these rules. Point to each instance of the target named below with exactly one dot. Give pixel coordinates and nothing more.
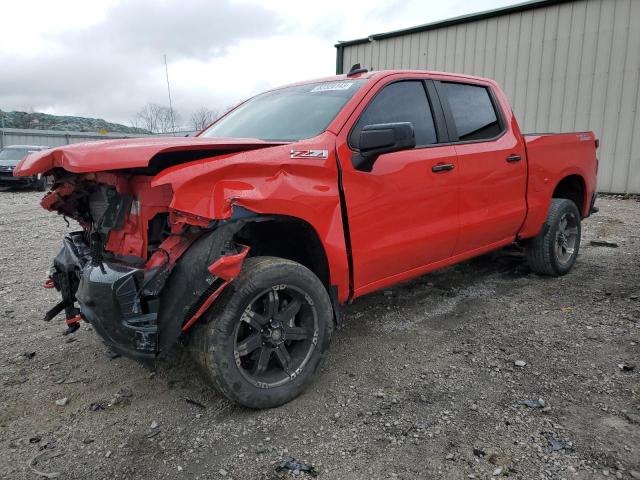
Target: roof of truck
(377, 74)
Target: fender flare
(191, 282)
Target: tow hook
(72, 314)
(73, 324)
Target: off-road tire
(541, 252)
(212, 342)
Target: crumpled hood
(130, 153)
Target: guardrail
(57, 138)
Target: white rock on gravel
(61, 402)
(520, 363)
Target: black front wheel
(268, 334)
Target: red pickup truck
(245, 239)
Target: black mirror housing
(378, 139)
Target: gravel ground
(424, 381)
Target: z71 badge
(309, 153)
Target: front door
(403, 214)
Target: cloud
(105, 59)
(200, 29)
(113, 67)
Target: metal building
(566, 65)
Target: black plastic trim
(592, 207)
(345, 226)
(437, 111)
(335, 305)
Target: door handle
(443, 167)
(514, 158)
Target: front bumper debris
(592, 207)
(138, 310)
(109, 299)
(109, 296)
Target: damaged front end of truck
(139, 270)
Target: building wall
(566, 67)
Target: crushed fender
(225, 268)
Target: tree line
(162, 119)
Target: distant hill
(44, 121)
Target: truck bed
(553, 156)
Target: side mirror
(378, 139)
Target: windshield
(9, 157)
(287, 114)
(14, 153)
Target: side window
(404, 101)
(473, 112)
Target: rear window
(473, 111)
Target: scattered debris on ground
(194, 402)
(601, 243)
(295, 467)
(539, 403)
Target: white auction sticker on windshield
(331, 86)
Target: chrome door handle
(514, 158)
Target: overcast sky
(105, 59)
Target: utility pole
(166, 70)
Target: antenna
(356, 69)
(166, 70)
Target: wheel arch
(287, 237)
(573, 187)
(294, 239)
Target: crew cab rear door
(492, 163)
(403, 213)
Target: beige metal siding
(571, 66)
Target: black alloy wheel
(276, 336)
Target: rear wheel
(268, 334)
(555, 249)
